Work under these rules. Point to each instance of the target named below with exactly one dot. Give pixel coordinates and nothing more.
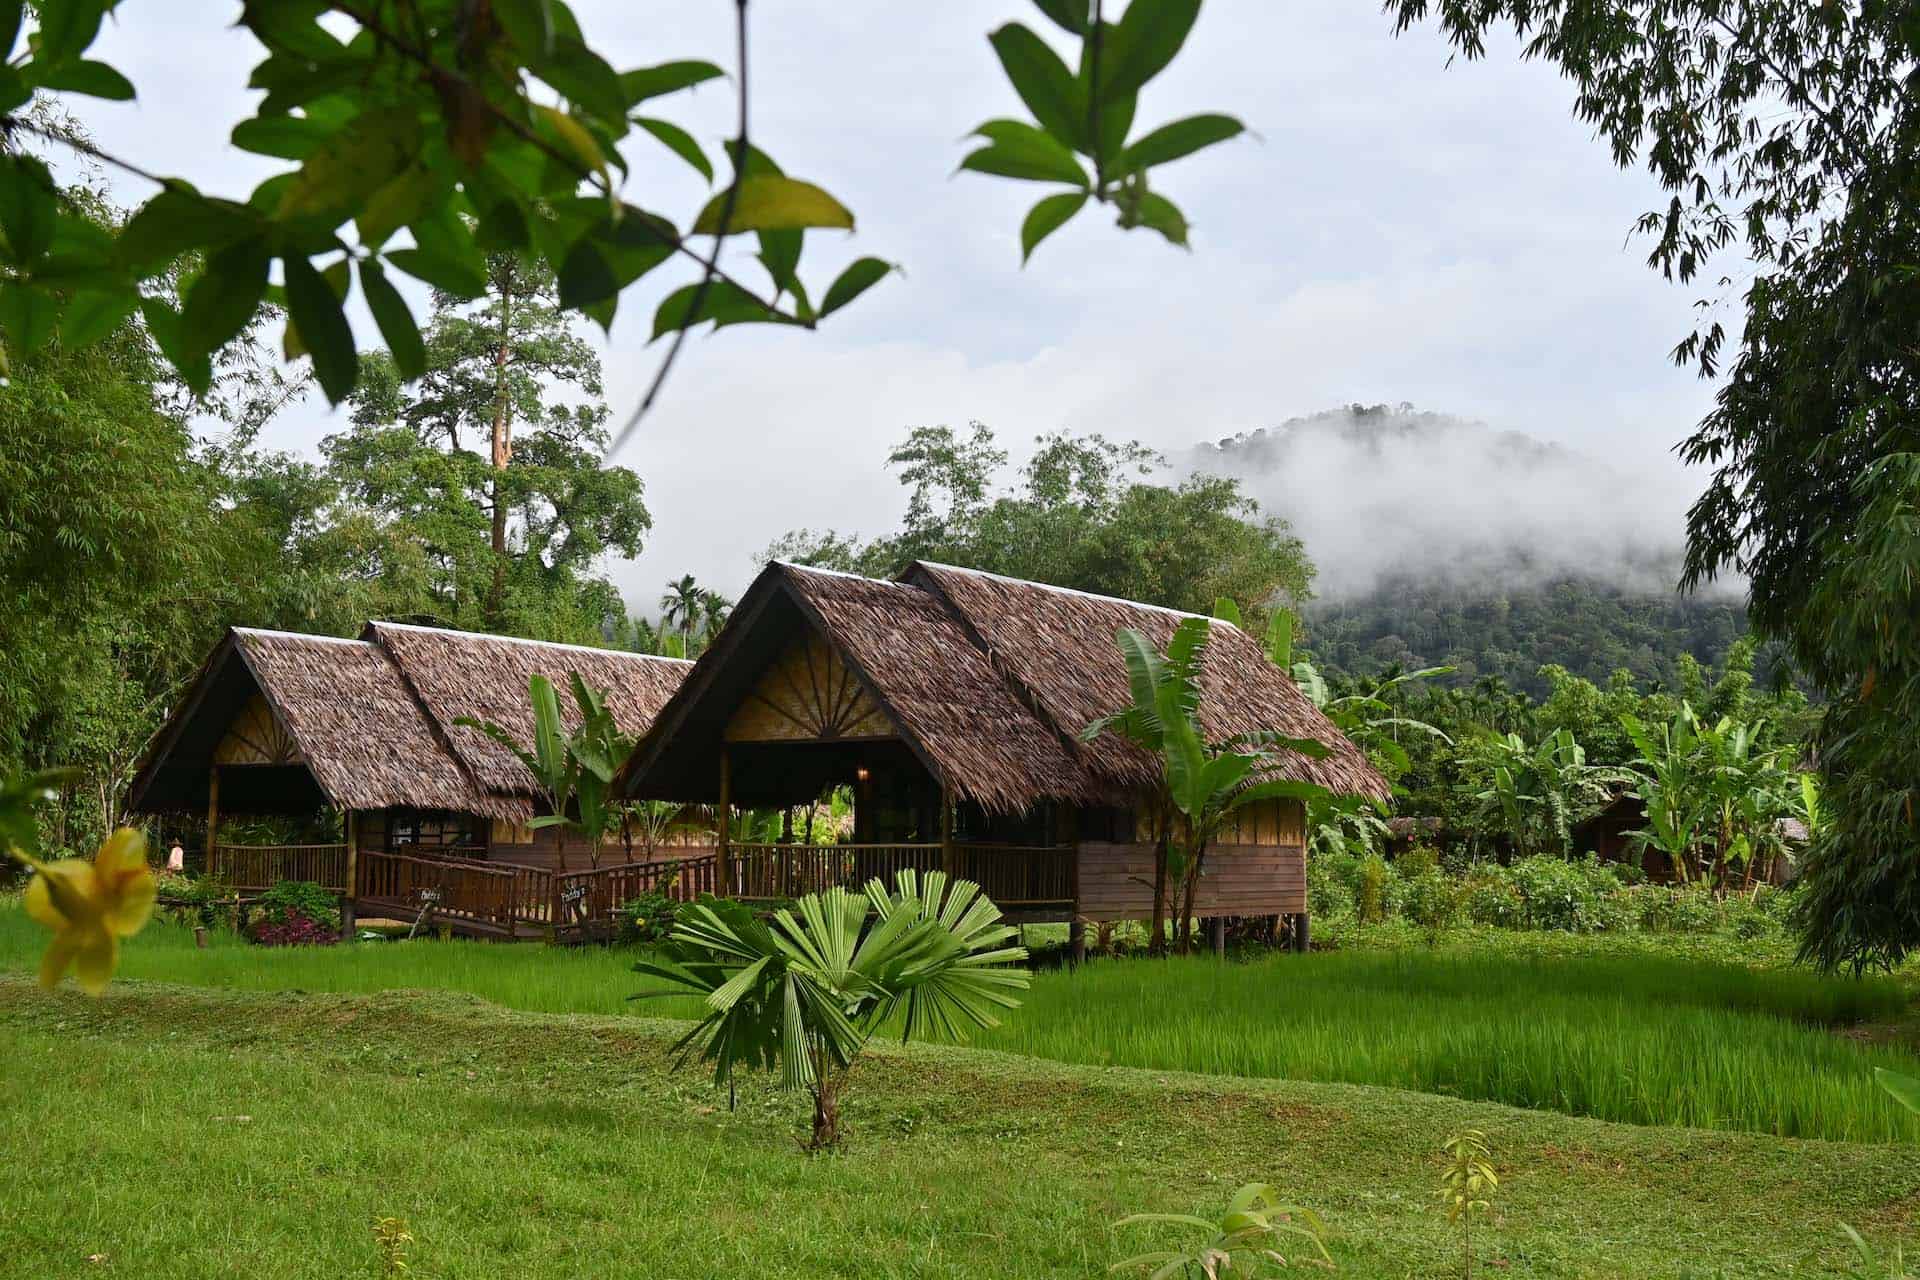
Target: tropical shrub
(1556, 894)
(1431, 899)
(647, 919)
(1370, 895)
(1488, 897)
(295, 929)
(1329, 891)
(289, 898)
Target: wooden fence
(509, 900)
(261, 866)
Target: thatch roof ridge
(490, 637)
(477, 675)
(1094, 596)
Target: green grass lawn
(1616, 1033)
(172, 1131)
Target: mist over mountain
(1440, 540)
(1391, 492)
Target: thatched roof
(461, 674)
(988, 680)
(1059, 646)
(942, 691)
(373, 719)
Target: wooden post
(723, 821)
(213, 820)
(1301, 938)
(1077, 941)
(1219, 927)
(353, 880)
(949, 855)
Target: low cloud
(1386, 492)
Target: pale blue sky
(1401, 231)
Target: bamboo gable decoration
(808, 693)
(257, 737)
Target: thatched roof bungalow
(952, 701)
(289, 724)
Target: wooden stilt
(723, 823)
(213, 822)
(353, 879)
(1077, 942)
(1218, 925)
(949, 854)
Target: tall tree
(1085, 512)
(680, 607)
(491, 459)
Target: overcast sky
(1402, 230)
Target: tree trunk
(1187, 889)
(826, 1104)
(502, 455)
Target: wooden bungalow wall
(1258, 869)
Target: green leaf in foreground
(771, 202)
(395, 320)
(1143, 42)
(1047, 217)
(322, 324)
(668, 77)
(1017, 150)
(1181, 138)
(853, 282)
(1904, 1089)
(1056, 98)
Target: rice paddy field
(1631, 1036)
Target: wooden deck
(492, 899)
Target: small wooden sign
(431, 897)
(573, 893)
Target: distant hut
(433, 812)
(951, 702)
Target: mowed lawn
(1632, 1036)
(169, 1131)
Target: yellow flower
(90, 906)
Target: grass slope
(1617, 1034)
(188, 1133)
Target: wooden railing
(496, 894)
(585, 901)
(1020, 875)
(512, 900)
(1012, 875)
(261, 866)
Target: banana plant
(1203, 784)
(1534, 793)
(574, 770)
(803, 991)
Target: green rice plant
(1636, 1038)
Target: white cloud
(1403, 231)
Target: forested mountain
(1437, 539)
(1591, 628)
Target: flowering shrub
(647, 919)
(295, 929)
(289, 898)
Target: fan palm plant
(805, 989)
